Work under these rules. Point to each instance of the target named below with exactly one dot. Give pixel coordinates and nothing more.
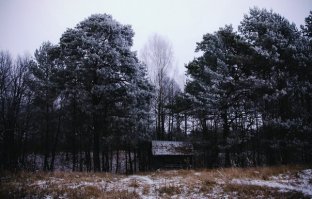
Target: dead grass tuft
(85, 192)
(120, 195)
(134, 183)
(172, 173)
(146, 189)
(253, 172)
(207, 186)
(169, 190)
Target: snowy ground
(284, 182)
(216, 183)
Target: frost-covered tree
(276, 44)
(44, 85)
(218, 86)
(280, 63)
(254, 85)
(307, 27)
(101, 73)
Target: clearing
(261, 182)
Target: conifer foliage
(254, 86)
(87, 101)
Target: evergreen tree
(44, 85)
(101, 68)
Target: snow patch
(144, 179)
(148, 186)
(41, 183)
(284, 182)
(197, 174)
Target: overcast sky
(25, 24)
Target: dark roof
(171, 148)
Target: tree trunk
(126, 158)
(55, 143)
(158, 128)
(111, 159)
(117, 161)
(130, 161)
(96, 150)
(103, 161)
(88, 159)
(185, 124)
(135, 160)
(74, 151)
(225, 136)
(47, 141)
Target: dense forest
(91, 101)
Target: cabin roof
(171, 148)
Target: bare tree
(13, 100)
(157, 54)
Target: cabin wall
(168, 162)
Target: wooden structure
(171, 154)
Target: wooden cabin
(171, 154)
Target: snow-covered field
(216, 183)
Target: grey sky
(25, 24)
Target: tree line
(250, 92)
(246, 102)
(87, 96)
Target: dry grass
(262, 173)
(85, 192)
(120, 195)
(66, 177)
(169, 190)
(171, 173)
(25, 185)
(207, 186)
(58, 184)
(226, 174)
(252, 191)
(134, 183)
(146, 189)
(58, 192)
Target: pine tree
(45, 87)
(100, 69)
